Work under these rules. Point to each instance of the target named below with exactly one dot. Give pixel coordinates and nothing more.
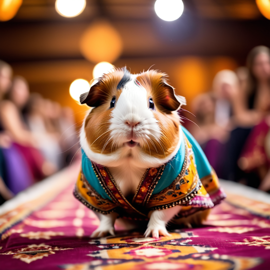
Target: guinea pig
(138, 162)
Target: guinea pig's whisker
(188, 112)
(70, 147)
(158, 131)
(74, 155)
(171, 166)
(147, 144)
(99, 137)
(104, 146)
(100, 125)
(154, 145)
(190, 121)
(71, 126)
(114, 143)
(159, 144)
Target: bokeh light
(8, 9)
(169, 10)
(101, 42)
(70, 8)
(264, 7)
(102, 68)
(78, 87)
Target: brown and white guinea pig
(133, 125)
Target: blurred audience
(32, 142)
(13, 122)
(234, 121)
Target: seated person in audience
(5, 192)
(226, 89)
(24, 140)
(258, 87)
(209, 135)
(14, 173)
(255, 156)
(48, 142)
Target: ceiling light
(78, 87)
(169, 10)
(70, 8)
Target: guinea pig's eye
(113, 102)
(151, 104)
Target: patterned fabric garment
(186, 180)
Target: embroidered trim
(91, 192)
(183, 201)
(140, 184)
(218, 196)
(104, 186)
(154, 184)
(88, 205)
(147, 185)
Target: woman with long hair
(14, 173)
(13, 122)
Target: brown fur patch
(103, 90)
(97, 122)
(156, 86)
(169, 138)
(161, 92)
(97, 130)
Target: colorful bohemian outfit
(186, 180)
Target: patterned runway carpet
(49, 229)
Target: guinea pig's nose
(132, 124)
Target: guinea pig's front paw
(101, 232)
(156, 230)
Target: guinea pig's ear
(182, 100)
(167, 98)
(95, 97)
(163, 94)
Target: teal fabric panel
(91, 178)
(172, 169)
(203, 166)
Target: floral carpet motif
(55, 234)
